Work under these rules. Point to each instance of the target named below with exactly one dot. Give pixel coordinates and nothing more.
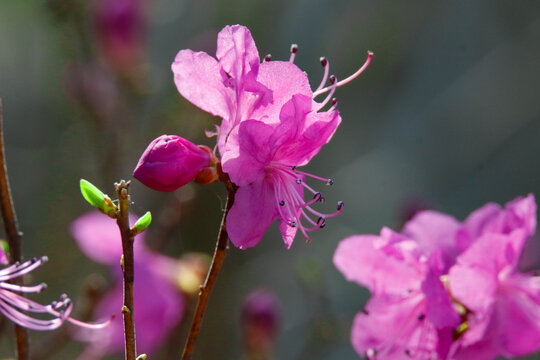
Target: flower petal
(380, 267)
(236, 51)
(247, 156)
(198, 78)
(285, 80)
(434, 231)
(253, 211)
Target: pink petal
(99, 238)
(439, 308)
(518, 315)
(380, 267)
(253, 211)
(434, 231)
(245, 161)
(236, 51)
(394, 328)
(198, 78)
(285, 80)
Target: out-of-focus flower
(15, 307)
(410, 305)
(170, 162)
(120, 30)
(261, 318)
(270, 125)
(158, 304)
(503, 305)
(444, 289)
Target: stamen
(313, 176)
(282, 203)
(347, 80)
(333, 81)
(268, 57)
(326, 66)
(25, 289)
(294, 49)
(330, 182)
(298, 181)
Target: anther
(421, 317)
(294, 168)
(282, 203)
(293, 224)
(329, 182)
(268, 57)
(334, 101)
(321, 221)
(44, 259)
(294, 48)
(332, 79)
(323, 60)
(317, 196)
(298, 181)
(340, 205)
(408, 352)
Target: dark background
(447, 116)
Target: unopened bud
(261, 313)
(170, 162)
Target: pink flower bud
(261, 313)
(170, 162)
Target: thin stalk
(217, 261)
(127, 267)
(13, 236)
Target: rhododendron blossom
(446, 290)
(15, 307)
(271, 124)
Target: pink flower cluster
(271, 124)
(447, 290)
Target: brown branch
(217, 261)
(13, 236)
(127, 267)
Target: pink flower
(120, 27)
(15, 307)
(411, 313)
(158, 305)
(271, 125)
(170, 162)
(445, 289)
(503, 305)
(261, 318)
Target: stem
(13, 235)
(217, 261)
(127, 267)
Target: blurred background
(446, 117)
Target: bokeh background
(446, 117)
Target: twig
(127, 267)
(13, 236)
(217, 261)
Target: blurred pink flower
(445, 289)
(270, 125)
(15, 307)
(261, 318)
(120, 29)
(170, 162)
(158, 304)
(503, 304)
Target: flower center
(289, 186)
